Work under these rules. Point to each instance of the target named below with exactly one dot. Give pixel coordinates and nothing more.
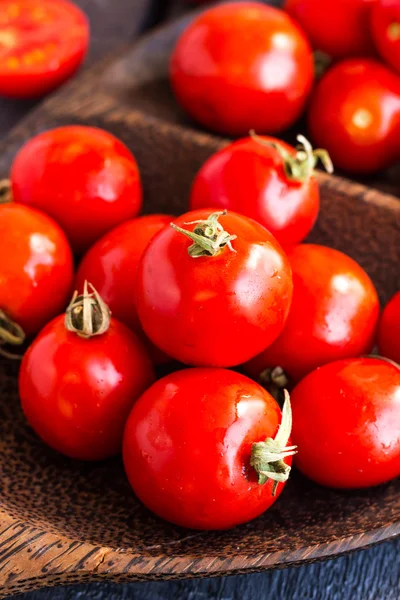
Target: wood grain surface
(42, 538)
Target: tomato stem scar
(267, 458)
(209, 237)
(87, 315)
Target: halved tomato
(42, 43)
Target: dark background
(372, 574)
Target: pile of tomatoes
(247, 65)
(227, 298)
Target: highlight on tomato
(213, 289)
(241, 66)
(334, 314)
(267, 180)
(389, 330)
(36, 273)
(208, 448)
(111, 266)
(83, 177)
(42, 44)
(385, 26)
(340, 28)
(355, 114)
(346, 423)
(80, 378)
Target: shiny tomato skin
(187, 447)
(42, 44)
(36, 267)
(111, 266)
(340, 30)
(249, 178)
(214, 310)
(346, 423)
(385, 25)
(83, 177)
(389, 330)
(231, 91)
(77, 393)
(355, 115)
(334, 313)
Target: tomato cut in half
(42, 43)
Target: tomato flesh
(346, 423)
(42, 43)
(187, 447)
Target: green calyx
(393, 31)
(300, 166)
(267, 458)
(11, 334)
(209, 237)
(87, 315)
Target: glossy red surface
(385, 24)
(214, 310)
(334, 313)
(77, 393)
(36, 268)
(389, 330)
(249, 178)
(242, 66)
(187, 447)
(346, 423)
(42, 43)
(355, 115)
(340, 28)
(83, 177)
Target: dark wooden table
(372, 574)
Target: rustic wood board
(65, 522)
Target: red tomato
(340, 29)
(222, 300)
(242, 66)
(36, 270)
(355, 115)
(389, 330)
(346, 423)
(83, 177)
(385, 23)
(334, 313)
(111, 266)
(42, 43)
(193, 448)
(77, 392)
(267, 180)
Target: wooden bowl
(63, 521)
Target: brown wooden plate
(63, 521)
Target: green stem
(300, 166)
(267, 458)
(87, 315)
(209, 237)
(10, 334)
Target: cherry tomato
(194, 448)
(340, 29)
(389, 330)
(83, 177)
(42, 44)
(385, 23)
(36, 271)
(346, 423)
(111, 266)
(218, 300)
(242, 66)
(267, 180)
(334, 313)
(355, 115)
(77, 387)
